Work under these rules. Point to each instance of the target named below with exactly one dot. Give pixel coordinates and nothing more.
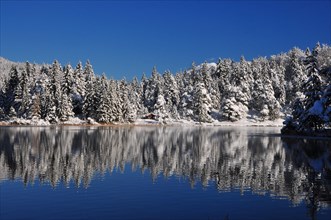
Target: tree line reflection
(229, 158)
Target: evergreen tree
(294, 76)
(130, 106)
(78, 90)
(115, 103)
(34, 111)
(48, 105)
(11, 90)
(263, 98)
(65, 107)
(313, 85)
(313, 111)
(88, 72)
(30, 70)
(277, 76)
(246, 79)
(102, 112)
(233, 109)
(25, 95)
(68, 84)
(128, 110)
(186, 86)
(90, 102)
(2, 114)
(160, 108)
(135, 98)
(55, 90)
(152, 90)
(90, 99)
(171, 95)
(202, 103)
(211, 86)
(25, 103)
(223, 73)
(311, 118)
(236, 95)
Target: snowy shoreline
(244, 123)
(145, 122)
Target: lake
(162, 173)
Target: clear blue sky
(125, 39)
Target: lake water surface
(162, 173)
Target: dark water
(162, 173)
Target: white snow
(74, 121)
(245, 122)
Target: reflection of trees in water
(229, 158)
(313, 157)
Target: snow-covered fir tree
(312, 111)
(236, 96)
(25, 95)
(78, 89)
(263, 99)
(186, 86)
(34, 108)
(202, 103)
(171, 95)
(153, 89)
(128, 111)
(115, 105)
(11, 91)
(89, 105)
(136, 98)
(65, 109)
(294, 75)
(102, 111)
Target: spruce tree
(311, 118)
(92, 98)
(79, 89)
(312, 112)
(103, 109)
(171, 94)
(65, 107)
(34, 111)
(115, 105)
(2, 114)
(11, 89)
(294, 77)
(25, 95)
(135, 98)
(152, 90)
(186, 86)
(202, 103)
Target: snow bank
(74, 121)
(20, 121)
(245, 122)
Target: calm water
(162, 173)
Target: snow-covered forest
(261, 89)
